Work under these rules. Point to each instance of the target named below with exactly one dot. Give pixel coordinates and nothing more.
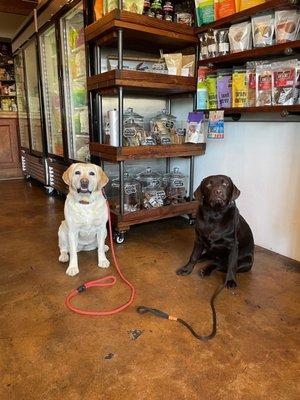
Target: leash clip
(81, 289)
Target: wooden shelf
(145, 82)
(140, 32)
(153, 214)
(115, 154)
(265, 109)
(282, 49)
(247, 14)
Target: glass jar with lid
(175, 185)
(132, 194)
(132, 133)
(130, 115)
(153, 194)
(163, 126)
(149, 178)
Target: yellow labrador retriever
(86, 215)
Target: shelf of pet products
(140, 31)
(284, 110)
(247, 13)
(281, 49)
(136, 81)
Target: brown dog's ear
(102, 178)
(235, 193)
(198, 194)
(67, 175)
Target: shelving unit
(261, 53)
(138, 32)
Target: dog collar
(84, 202)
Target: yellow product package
(244, 4)
(239, 88)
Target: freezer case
(74, 77)
(21, 101)
(51, 91)
(33, 96)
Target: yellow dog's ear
(67, 175)
(102, 178)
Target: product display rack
(259, 53)
(135, 31)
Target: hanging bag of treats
(240, 37)
(263, 85)
(239, 87)
(263, 30)
(287, 24)
(284, 74)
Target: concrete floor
(48, 352)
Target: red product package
(224, 8)
(284, 77)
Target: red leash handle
(107, 281)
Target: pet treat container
(132, 133)
(149, 178)
(163, 125)
(175, 184)
(132, 193)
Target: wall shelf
(140, 32)
(115, 154)
(285, 110)
(146, 82)
(282, 49)
(247, 14)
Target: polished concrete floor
(48, 352)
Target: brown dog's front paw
(186, 270)
(231, 284)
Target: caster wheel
(50, 190)
(119, 237)
(192, 221)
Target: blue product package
(216, 125)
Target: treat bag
(224, 8)
(204, 11)
(216, 125)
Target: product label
(129, 189)
(177, 183)
(284, 78)
(224, 47)
(265, 82)
(149, 142)
(166, 140)
(129, 132)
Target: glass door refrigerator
(74, 79)
(51, 92)
(29, 108)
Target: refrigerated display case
(74, 76)
(51, 92)
(33, 97)
(21, 100)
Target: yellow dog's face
(85, 178)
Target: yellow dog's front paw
(103, 263)
(72, 271)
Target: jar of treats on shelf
(163, 126)
(132, 194)
(175, 185)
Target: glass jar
(132, 133)
(132, 194)
(162, 127)
(129, 115)
(174, 184)
(153, 197)
(149, 178)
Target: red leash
(102, 282)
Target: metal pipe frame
(120, 114)
(121, 194)
(192, 166)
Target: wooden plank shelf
(140, 32)
(285, 110)
(247, 14)
(282, 49)
(153, 214)
(146, 82)
(115, 154)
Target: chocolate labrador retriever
(222, 234)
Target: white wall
(263, 159)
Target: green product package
(204, 11)
(211, 84)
